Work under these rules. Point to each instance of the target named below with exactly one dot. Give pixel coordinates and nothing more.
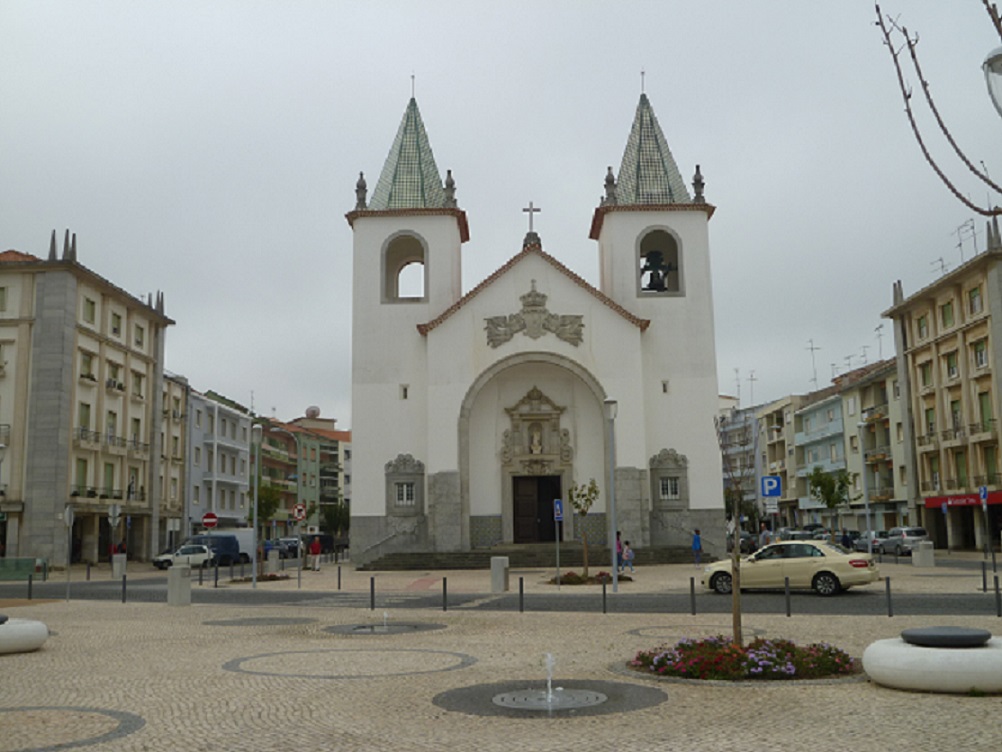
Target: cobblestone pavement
(116, 676)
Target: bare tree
(737, 438)
(897, 39)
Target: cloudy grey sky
(210, 150)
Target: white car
(193, 555)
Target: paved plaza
(141, 676)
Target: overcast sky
(210, 150)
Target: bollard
(445, 594)
(88, 571)
(984, 576)
(231, 568)
(998, 598)
(372, 593)
(215, 582)
(604, 610)
(123, 588)
(30, 580)
(521, 595)
(887, 588)
(339, 577)
(692, 595)
(786, 588)
(200, 571)
(994, 568)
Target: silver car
(862, 543)
(901, 540)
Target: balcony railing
(875, 413)
(877, 453)
(958, 433)
(929, 485)
(98, 492)
(986, 426)
(991, 479)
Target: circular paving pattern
(359, 663)
(382, 629)
(528, 699)
(676, 633)
(260, 621)
(38, 728)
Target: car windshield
(914, 531)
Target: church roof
(648, 174)
(530, 248)
(13, 256)
(410, 179)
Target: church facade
(472, 413)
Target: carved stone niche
(535, 444)
(669, 473)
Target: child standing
(627, 556)
(697, 547)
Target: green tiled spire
(410, 179)
(649, 174)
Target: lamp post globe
(992, 68)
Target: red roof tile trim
(537, 250)
(599, 216)
(459, 214)
(14, 256)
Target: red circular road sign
(299, 512)
(209, 520)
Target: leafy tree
(269, 499)
(335, 518)
(831, 489)
(582, 497)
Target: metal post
(123, 588)
(445, 594)
(786, 589)
(887, 588)
(88, 571)
(30, 580)
(521, 595)
(372, 593)
(998, 598)
(605, 610)
(692, 595)
(256, 434)
(339, 578)
(984, 577)
(215, 575)
(611, 408)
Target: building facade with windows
(174, 459)
(948, 367)
(819, 442)
(219, 431)
(777, 450)
(81, 379)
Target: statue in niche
(536, 444)
(656, 267)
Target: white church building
(472, 413)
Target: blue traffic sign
(983, 493)
(772, 486)
(558, 510)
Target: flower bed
(573, 578)
(719, 658)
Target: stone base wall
(675, 528)
(445, 514)
(371, 537)
(485, 531)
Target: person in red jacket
(315, 549)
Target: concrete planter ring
(21, 635)
(949, 660)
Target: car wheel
(722, 583)
(825, 583)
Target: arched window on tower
(404, 269)
(659, 264)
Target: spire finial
(610, 188)
(360, 191)
(412, 85)
(530, 210)
(450, 189)
(52, 247)
(697, 187)
(642, 74)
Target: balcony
(95, 492)
(950, 435)
(114, 387)
(982, 431)
(86, 438)
(929, 486)
(991, 479)
(877, 454)
(137, 448)
(872, 414)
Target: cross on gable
(530, 209)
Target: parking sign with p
(771, 486)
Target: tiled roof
(15, 256)
(527, 250)
(410, 179)
(648, 174)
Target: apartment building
(948, 366)
(174, 459)
(81, 369)
(818, 442)
(776, 447)
(219, 431)
(737, 429)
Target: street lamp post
(611, 407)
(3, 492)
(256, 432)
(866, 493)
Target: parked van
(226, 547)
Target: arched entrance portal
(530, 427)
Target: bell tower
(405, 270)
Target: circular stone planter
(949, 670)
(22, 635)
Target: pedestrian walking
(628, 557)
(315, 550)
(697, 547)
(619, 552)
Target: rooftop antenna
(942, 264)
(814, 367)
(737, 380)
(252, 401)
(642, 73)
(880, 343)
(751, 387)
(834, 371)
(848, 361)
(966, 230)
(864, 348)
